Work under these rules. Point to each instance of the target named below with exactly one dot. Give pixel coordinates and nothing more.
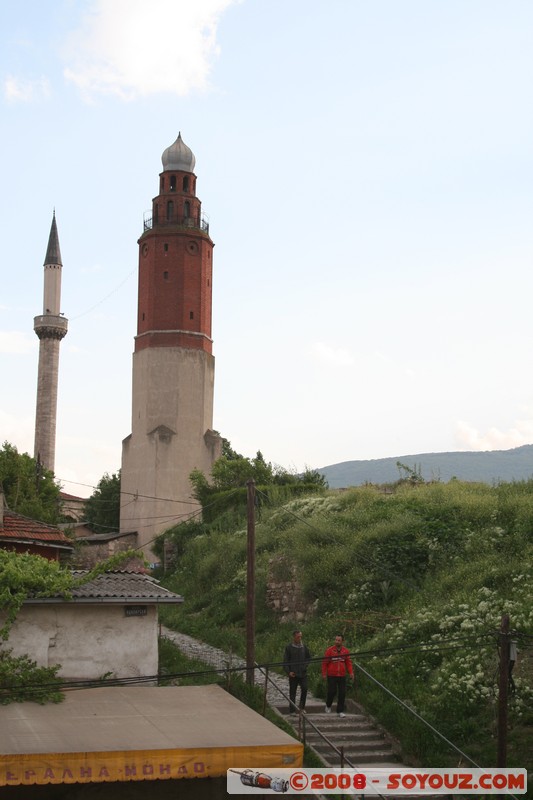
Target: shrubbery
(390, 567)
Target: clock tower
(173, 365)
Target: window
(191, 314)
(186, 183)
(165, 247)
(172, 183)
(170, 210)
(165, 275)
(186, 209)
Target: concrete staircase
(363, 742)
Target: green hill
(417, 577)
(490, 466)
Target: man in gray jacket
(295, 661)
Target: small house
(109, 627)
(25, 535)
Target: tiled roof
(118, 587)
(23, 529)
(94, 538)
(67, 496)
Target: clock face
(144, 250)
(192, 248)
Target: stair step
(357, 758)
(371, 744)
(346, 724)
(361, 741)
(352, 736)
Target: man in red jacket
(335, 664)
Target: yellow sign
(140, 765)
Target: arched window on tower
(186, 183)
(170, 210)
(162, 185)
(186, 209)
(172, 183)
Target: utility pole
(503, 690)
(250, 585)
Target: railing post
(342, 756)
(265, 692)
(250, 584)
(501, 757)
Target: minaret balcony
(176, 220)
(50, 326)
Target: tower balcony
(50, 326)
(176, 220)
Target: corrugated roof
(20, 528)
(118, 586)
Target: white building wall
(89, 641)
(171, 436)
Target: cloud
(494, 439)
(16, 343)
(331, 355)
(18, 431)
(21, 90)
(134, 48)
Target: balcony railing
(201, 224)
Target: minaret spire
(51, 326)
(53, 253)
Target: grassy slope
(434, 564)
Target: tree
(102, 509)
(232, 471)
(29, 488)
(228, 473)
(314, 478)
(228, 451)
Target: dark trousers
(301, 681)
(336, 686)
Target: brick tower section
(51, 327)
(173, 365)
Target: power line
(84, 313)
(135, 495)
(91, 682)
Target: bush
(21, 679)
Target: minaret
(173, 365)
(50, 327)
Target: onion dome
(178, 157)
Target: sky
(367, 170)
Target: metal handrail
(302, 716)
(182, 221)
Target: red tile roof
(67, 496)
(23, 529)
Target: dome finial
(178, 157)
